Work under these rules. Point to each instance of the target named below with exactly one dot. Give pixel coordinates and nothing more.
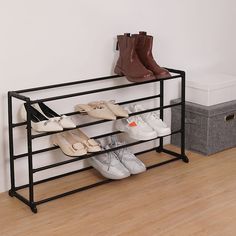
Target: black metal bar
(67, 84)
(86, 187)
(19, 124)
(159, 149)
(98, 90)
(89, 81)
(96, 153)
(30, 157)
(172, 153)
(55, 177)
(54, 148)
(21, 198)
(11, 142)
(83, 157)
(98, 121)
(103, 121)
(174, 70)
(144, 151)
(163, 163)
(19, 96)
(74, 172)
(36, 152)
(139, 99)
(73, 191)
(183, 113)
(96, 184)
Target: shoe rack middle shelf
(30, 137)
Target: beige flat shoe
(96, 111)
(116, 109)
(91, 144)
(67, 147)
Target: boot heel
(118, 71)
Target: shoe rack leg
(11, 146)
(184, 157)
(160, 147)
(30, 159)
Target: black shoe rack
(30, 154)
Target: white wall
(52, 41)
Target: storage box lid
(211, 82)
(207, 111)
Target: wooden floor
(177, 199)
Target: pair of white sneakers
(117, 164)
(142, 127)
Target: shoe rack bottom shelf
(176, 155)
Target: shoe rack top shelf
(18, 93)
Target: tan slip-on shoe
(116, 109)
(90, 144)
(66, 147)
(96, 111)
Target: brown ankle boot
(128, 63)
(144, 51)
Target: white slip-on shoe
(67, 146)
(39, 122)
(65, 121)
(135, 128)
(109, 165)
(127, 158)
(153, 120)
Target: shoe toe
(163, 131)
(149, 135)
(115, 173)
(135, 166)
(67, 123)
(53, 126)
(47, 126)
(94, 149)
(163, 74)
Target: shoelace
(110, 159)
(115, 143)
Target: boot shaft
(128, 62)
(143, 48)
(144, 43)
(125, 42)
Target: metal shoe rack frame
(14, 191)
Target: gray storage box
(209, 129)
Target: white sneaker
(136, 128)
(109, 165)
(153, 120)
(127, 158)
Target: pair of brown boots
(136, 61)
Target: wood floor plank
(178, 199)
